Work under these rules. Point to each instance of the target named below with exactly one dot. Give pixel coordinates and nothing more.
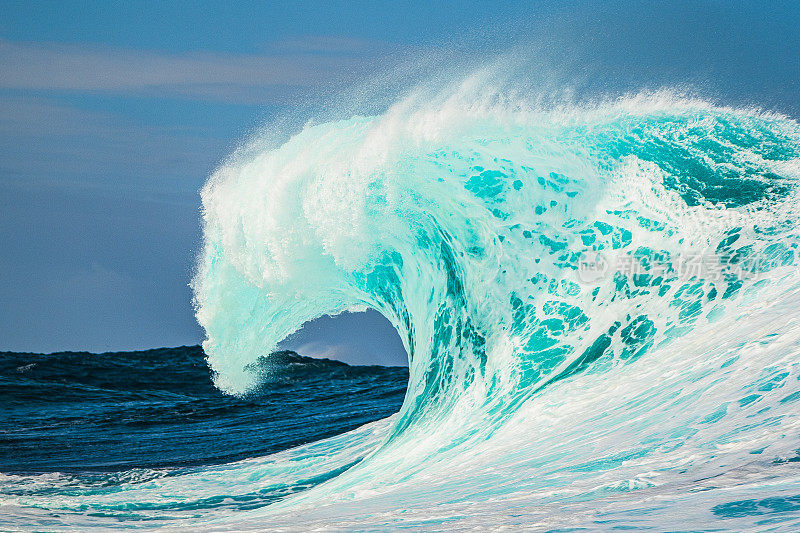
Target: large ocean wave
(598, 301)
(599, 304)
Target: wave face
(594, 300)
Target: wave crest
(512, 247)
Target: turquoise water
(599, 303)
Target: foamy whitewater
(599, 303)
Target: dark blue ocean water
(82, 412)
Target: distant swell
(99, 414)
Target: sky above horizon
(113, 115)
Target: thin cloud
(205, 76)
(330, 45)
(44, 143)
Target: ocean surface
(83, 423)
(79, 412)
(599, 301)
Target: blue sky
(113, 114)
